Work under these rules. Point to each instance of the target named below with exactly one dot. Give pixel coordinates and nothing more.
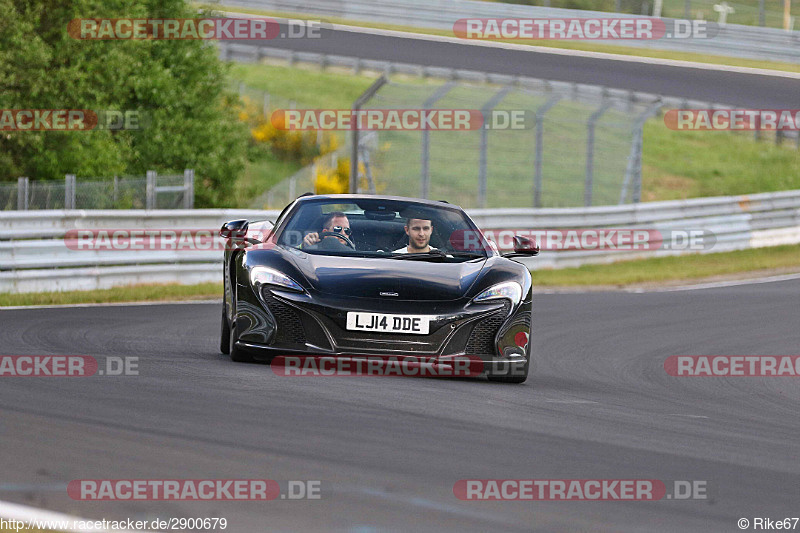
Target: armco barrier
(34, 256)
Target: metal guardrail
(34, 256)
(732, 40)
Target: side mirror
(235, 230)
(523, 247)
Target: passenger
(419, 232)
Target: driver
(419, 232)
(335, 222)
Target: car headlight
(267, 276)
(510, 290)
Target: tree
(178, 85)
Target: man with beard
(419, 232)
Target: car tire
(518, 377)
(238, 355)
(225, 334)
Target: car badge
(389, 294)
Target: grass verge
(674, 268)
(133, 293)
(565, 45)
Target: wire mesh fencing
(537, 145)
(168, 191)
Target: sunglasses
(339, 229)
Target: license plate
(414, 324)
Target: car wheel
(518, 375)
(225, 334)
(238, 355)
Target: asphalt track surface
(717, 86)
(389, 450)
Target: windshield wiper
(437, 255)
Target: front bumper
(278, 322)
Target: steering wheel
(340, 236)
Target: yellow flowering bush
(301, 146)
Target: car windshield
(385, 228)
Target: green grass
(309, 87)
(567, 45)
(688, 164)
(133, 293)
(664, 269)
(259, 176)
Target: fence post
(537, 176)
(368, 170)
(425, 178)
(483, 162)
(633, 173)
(188, 189)
(116, 192)
(687, 9)
(361, 100)
(22, 194)
(266, 106)
(760, 12)
(587, 192)
(69, 191)
(151, 190)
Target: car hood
(367, 277)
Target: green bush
(178, 84)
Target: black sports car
(345, 275)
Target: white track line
(26, 514)
(542, 49)
(643, 290)
(721, 284)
